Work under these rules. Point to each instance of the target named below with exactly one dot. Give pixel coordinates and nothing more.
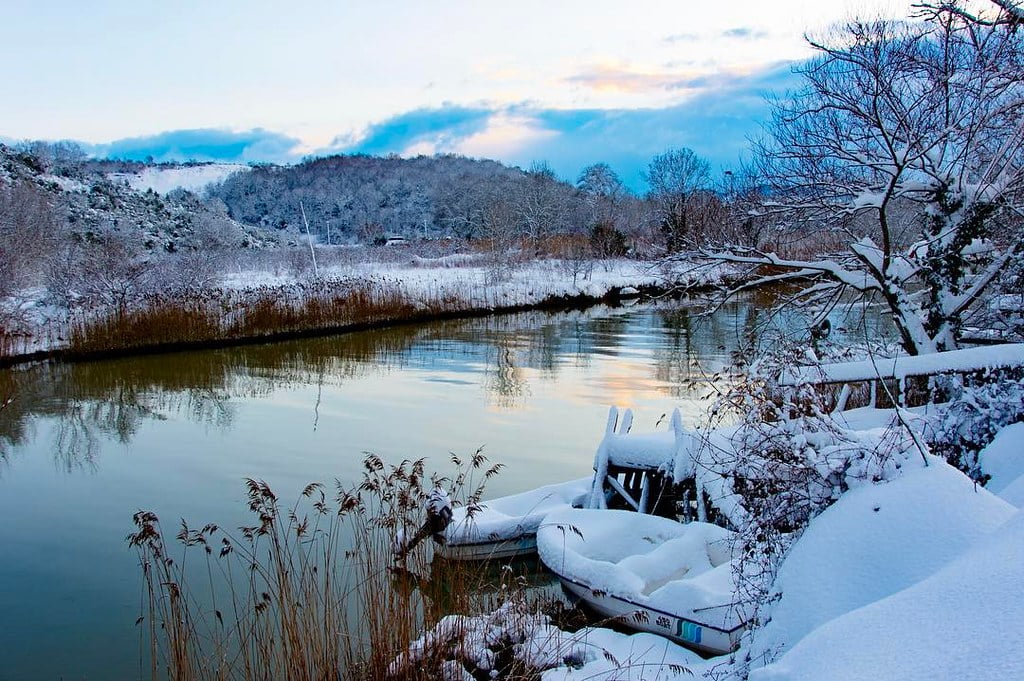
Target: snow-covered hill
(193, 178)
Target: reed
(216, 316)
(311, 590)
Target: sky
(565, 82)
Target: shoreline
(551, 303)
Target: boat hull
(514, 547)
(699, 636)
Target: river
(83, 446)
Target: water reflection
(671, 350)
(94, 402)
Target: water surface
(84, 446)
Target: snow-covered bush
(973, 416)
(517, 641)
(786, 462)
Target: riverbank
(259, 307)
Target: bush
(979, 407)
(786, 462)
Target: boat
(647, 572)
(507, 527)
(648, 463)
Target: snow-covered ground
(192, 178)
(483, 286)
(914, 578)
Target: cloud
(744, 33)
(604, 78)
(203, 144)
(715, 121)
(716, 124)
(417, 131)
(681, 37)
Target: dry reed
(217, 316)
(311, 591)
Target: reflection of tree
(505, 381)
(93, 402)
(77, 442)
(697, 344)
(13, 424)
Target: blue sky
(570, 83)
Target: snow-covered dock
(894, 372)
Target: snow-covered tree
(906, 140)
(675, 178)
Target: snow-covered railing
(903, 367)
(646, 459)
(971, 359)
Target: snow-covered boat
(507, 527)
(650, 573)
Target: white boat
(507, 527)
(649, 573)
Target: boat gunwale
(646, 607)
(514, 538)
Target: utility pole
(309, 238)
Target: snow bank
(1003, 459)
(515, 515)
(605, 655)
(191, 178)
(875, 541)
(681, 569)
(964, 622)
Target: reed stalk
(307, 591)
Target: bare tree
(675, 177)
(28, 233)
(542, 204)
(907, 139)
(600, 181)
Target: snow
(964, 622)
(917, 577)
(191, 178)
(448, 289)
(875, 541)
(65, 183)
(438, 502)
(605, 655)
(970, 359)
(1003, 460)
(682, 569)
(590, 654)
(477, 284)
(672, 451)
(1014, 492)
(515, 515)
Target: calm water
(82, 447)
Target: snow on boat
(651, 573)
(507, 527)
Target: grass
(308, 591)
